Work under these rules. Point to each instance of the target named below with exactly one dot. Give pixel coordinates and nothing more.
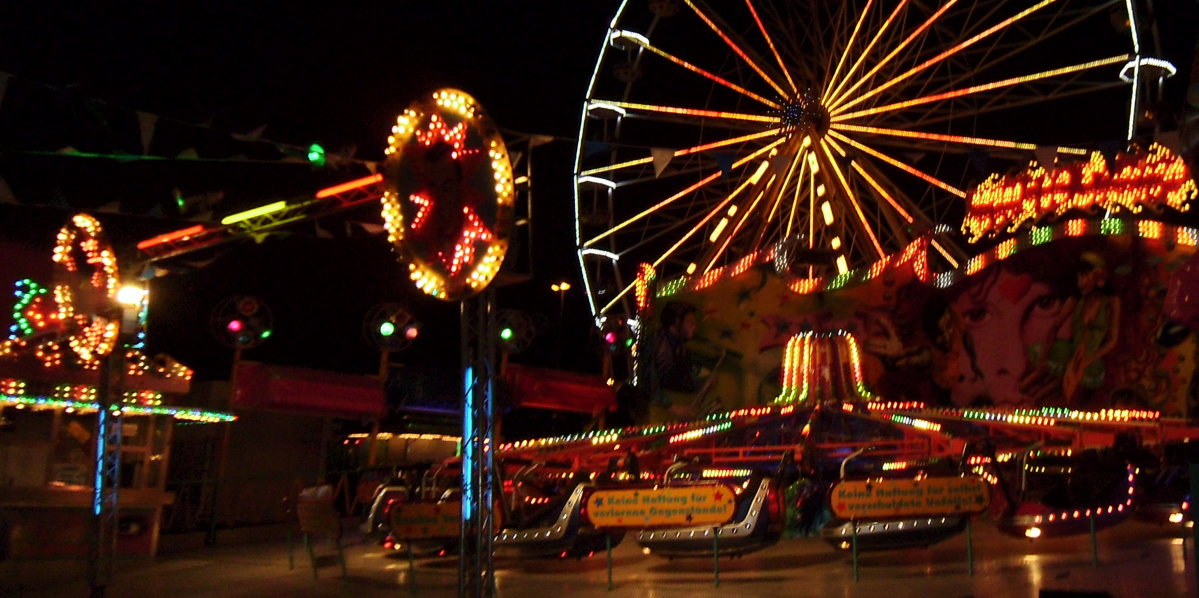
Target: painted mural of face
(1004, 314)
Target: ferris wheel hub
(805, 113)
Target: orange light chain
(683, 152)
(882, 192)
(935, 136)
(171, 236)
(713, 77)
(877, 36)
(645, 277)
(1156, 178)
(900, 165)
(695, 112)
(728, 238)
(828, 84)
(980, 88)
(736, 48)
(923, 26)
(354, 184)
(698, 184)
(853, 201)
(716, 211)
(770, 42)
(947, 53)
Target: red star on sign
(841, 506)
(719, 495)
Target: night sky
(328, 72)
(336, 73)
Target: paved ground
(1137, 560)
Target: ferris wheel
(836, 132)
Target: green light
(506, 334)
(316, 154)
(265, 334)
(628, 342)
(387, 329)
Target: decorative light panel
(448, 204)
(1155, 177)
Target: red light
(610, 337)
(234, 326)
(411, 332)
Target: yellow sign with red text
(681, 506)
(884, 499)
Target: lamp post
(560, 288)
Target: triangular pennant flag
(1170, 140)
(662, 157)
(110, 208)
(536, 140)
(146, 122)
(151, 272)
(199, 264)
(591, 148)
(254, 135)
(322, 233)
(60, 200)
(371, 228)
(68, 150)
(725, 161)
(3, 85)
(1046, 157)
(156, 211)
(515, 157)
(6, 194)
(914, 157)
(188, 154)
(978, 159)
(372, 166)
(1109, 150)
(779, 163)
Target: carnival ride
(836, 142)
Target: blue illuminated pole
(478, 344)
(107, 478)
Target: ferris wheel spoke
(683, 152)
(959, 139)
(838, 116)
(773, 49)
(835, 101)
(644, 43)
(848, 46)
(950, 52)
(900, 165)
(1066, 19)
(853, 201)
(743, 217)
(881, 191)
(676, 110)
(736, 48)
(1007, 100)
(866, 52)
(690, 189)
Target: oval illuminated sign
(449, 195)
